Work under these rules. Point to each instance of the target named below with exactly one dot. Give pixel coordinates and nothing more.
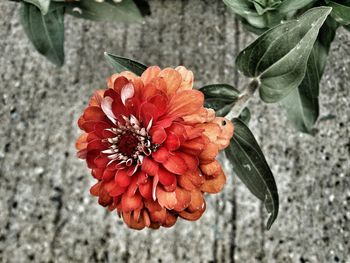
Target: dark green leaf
(279, 56)
(43, 5)
(302, 103)
(341, 11)
(245, 116)
(250, 165)
(219, 97)
(124, 64)
(45, 32)
(125, 11)
(220, 91)
(293, 5)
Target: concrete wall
(46, 212)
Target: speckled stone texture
(46, 211)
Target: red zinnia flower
(152, 146)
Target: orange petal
(158, 216)
(96, 98)
(170, 220)
(166, 199)
(81, 143)
(194, 215)
(183, 198)
(215, 184)
(149, 74)
(211, 130)
(226, 132)
(203, 115)
(130, 203)
(211, 168)
(187, 78)
(209, 153)
(131, 222)
(185, 103)
(197, 201)
(172, 79)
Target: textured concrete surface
(46, 212)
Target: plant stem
(243, 99)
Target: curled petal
(211, 169)
(166, 199)
(187, 78)
(149, 74)
(215, 184)
(172, 79)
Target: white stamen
(149, 124)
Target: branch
(243, 99)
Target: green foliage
(45, 31)
(43, 5)
(122, 64)
(42, 20)
(220, 97)
(279, 56)
(301, 104)
(260, 15)
(108, 10)
(341, 11)
(250, 166)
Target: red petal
(122, 178)
(194, 147)
(161, 154)
(190, 160)
(148, 112)
(165, 177)
(149, 166)
(172, 141)
(117, 191)
(160, 101)
(97, 173)
(95, 189)
(146, 189)
(158, 134)
(130, 203)
(175, 164)
(94, 113)
(108, 174)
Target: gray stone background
(46, 212)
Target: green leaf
(219, 97)
(250, 165)
(124, 64)
(45, 32)
(108, 10)
(43, 5)
(279, 56)
(341, 11)
(245, 116)
(301, 104)
(293, 5)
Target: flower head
(152, 145)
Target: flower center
(130, 144)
